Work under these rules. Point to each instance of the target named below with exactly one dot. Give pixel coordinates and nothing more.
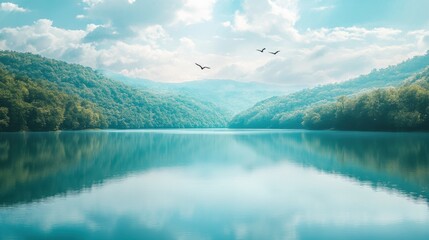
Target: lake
(214, 184)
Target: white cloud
(92, 3)
(91, 27)
(139, 57)
(163, 52)
(80, 16)
(226, 24)
(152, 202)
(195, 11)
(267, 17)
(187, 43)
(43, 38)
(122, 15)
(331, 62)
(323, 8)
(153, 34)
(350, 33)
(422, 38)
(11, 7)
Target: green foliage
(402, 108)
(4, 118)
(38, 106)
(285, 111)
(228, 95)
(103, 102)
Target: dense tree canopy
(93, 100)
(401, 108)
(36, 105)
(288, 111)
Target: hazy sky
(320, 41)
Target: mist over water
(214, 184)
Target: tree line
(404, 108)
(45, 94)
(37, 105)
(288, 111)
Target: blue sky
(320, 41)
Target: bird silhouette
(261, 50)
(274, 53)
(202, 68)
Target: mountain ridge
(287, 111)
(230, 95)
(122, 106)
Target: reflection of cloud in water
(218, 184)
(268, 202)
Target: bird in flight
(202, 68)
(274, 53)
(260, 50)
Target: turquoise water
(214, 184)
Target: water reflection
(395, 160)
(38, 165)
(214, 185)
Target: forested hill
(288, 111)
(229, 95)
(402, 108)
(36, 89)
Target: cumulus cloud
(195, 11)
(323, 8)
(92, 3)
(41, 37)
(101, 33)
(11, 7)
(138, 57)
(422, 38)
(329, 63)
(350, 33)
(123, 16)
(154, 34)
(159, 40)
(266, 17)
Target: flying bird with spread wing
(274, 53)
(261, 50)
(202, 68)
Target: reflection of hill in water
(39, 165)
(395, 160)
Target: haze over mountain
(45, 94)
(29, 82)
(228, 95)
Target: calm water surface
(214, 184)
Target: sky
(320, 41)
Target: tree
(4, 118)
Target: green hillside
(402, 108)
(117, 105)
(38, 105)
(288, 111)
(230, 96)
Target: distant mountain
(117, 105)
(231, 96)
(288, 111)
